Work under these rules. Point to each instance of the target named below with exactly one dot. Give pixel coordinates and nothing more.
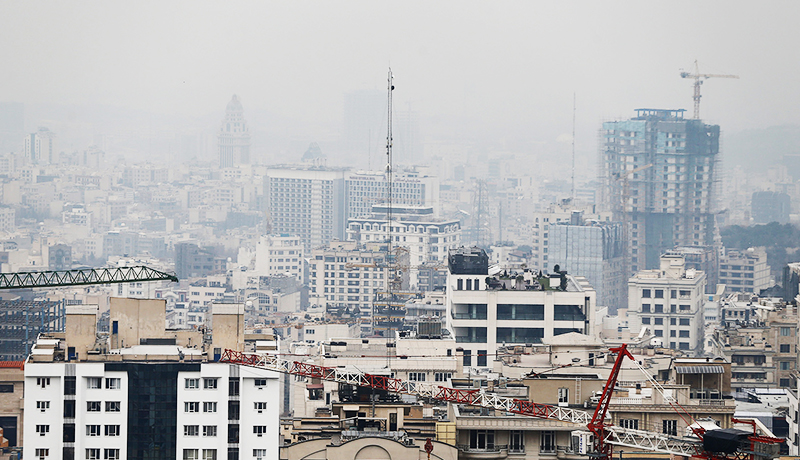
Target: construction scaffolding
(21, 321)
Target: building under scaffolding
(659, 178)
(21, 321)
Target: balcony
(488, 452)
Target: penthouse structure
(487, 311)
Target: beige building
(12, 378)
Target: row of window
(194, 430)
(194, 383)
(660, 321)
(97, 382)
(194, 406)
(91, 430)
(659, 293)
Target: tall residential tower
(658, 176)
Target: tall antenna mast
(573, 150)
(389, 167)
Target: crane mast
(699, 78)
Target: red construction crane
(601, 435)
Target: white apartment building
(485, 312)
(279, 254)
(162, 397)
(345, 275)
(540, 222)
(306, 201)
(415, 228)
(669, 302)
(744, 271)
(8, 219)
(368, 188)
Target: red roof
(8, 364)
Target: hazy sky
(506, 68)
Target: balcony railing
(481, 450)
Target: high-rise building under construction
(658, 174)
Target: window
(629, 423)
(191, 430)
(459, 285)
(684, 321)
(516, 442)
(645, 293)
(209, 454)
(785, 365)
(563, 395)
(481, 439)
(659, 321)
(209, 407)
(260, 382)
(69, 385)
(112, 430)
(113, 384)
(69, 408)
(659, 308)
(43, 405)
(659, 333)
(259, 430)
(673, 321)
(111, 454)
(416, 376)
(786, 348)
(191, 454)
(42, 429)
(93, 406)
(191, 407)
(260, 454)
(42, 453)
(646, 320)
(786, 382)
(645, 308)
(233, 387)
(467, 360)
(482, 357)
(93, 454)
(547, 442)
(210, 383)
(669, 427)
(684, 334)
(112, 406)
(191, 384)
(260, 406)
(92, 430)
(94, 382)
(209, 430)
(42, 382)
(659, 293)
(786, 332)
(442, 376)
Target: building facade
(658, 171)
(278, 255)
(368, 188)
(669, 302)
(486, 312)
(309, 202)
(744, 271)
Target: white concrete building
(368, 188)
(744, 271)
(669, 301)
(485, 312)
(279, 254)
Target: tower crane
(597, 442)
(699, 78)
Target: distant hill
(758, 149)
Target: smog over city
(508, 197)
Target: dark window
(459, 285)
(233, 387)
(520, 312)
(69, 432)
(233, 453)
(233, 410)
(646, 293)
(645, 308)
(70, 385)
(482, 358)
(645, 320)
(659, 309)
(684, 321)
(467, 358)
(69, 408)
(659, 293)
(68, 453)
(685, 334)
(233, 433)
(683, 346)
(568, 313)
(659, 321)
(6, 387)
(786, 348)
(520, 334)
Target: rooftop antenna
(573, 150)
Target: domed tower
(234, 136)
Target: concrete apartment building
(744, 271)
(659, 171)
(485, 312)
(669, 302)
(594, 250)
(759, 338)
(409, 188)
(278, 255)
(143, 391)
(307, 201)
